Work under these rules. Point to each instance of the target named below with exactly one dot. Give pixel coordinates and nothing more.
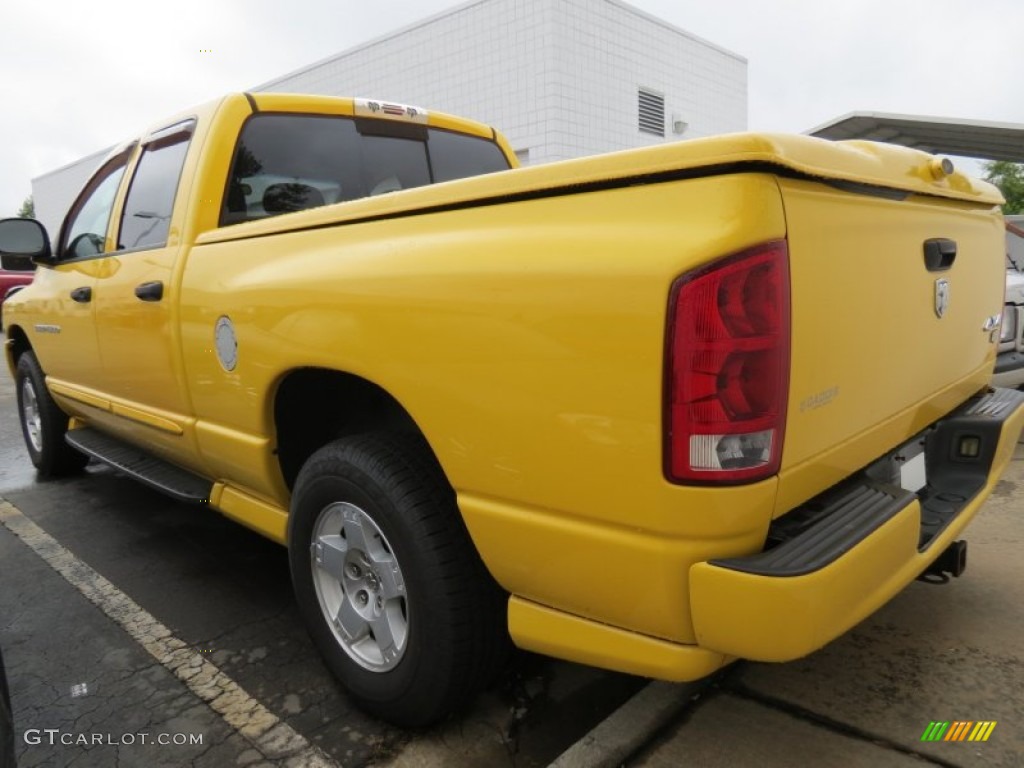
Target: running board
(165, 477)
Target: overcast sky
(79, 75)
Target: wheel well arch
(313, 406)
(19, 345)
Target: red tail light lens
(728, 368)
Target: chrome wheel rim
(30, 416)
(360, 587)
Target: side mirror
(22, 239)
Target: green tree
(28, 209)
(1009, 177)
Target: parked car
(15, 273)
(1010, 362)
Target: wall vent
(651, 112)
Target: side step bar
(159, 474)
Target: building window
(651, 112)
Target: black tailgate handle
(939, 254)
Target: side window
(85, 229)
(146, 219)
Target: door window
(146, 219)
(85, 232)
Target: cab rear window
(284, 163)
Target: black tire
(448, 623)
(43, 423)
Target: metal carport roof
(937, 135)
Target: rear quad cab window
(286, 163)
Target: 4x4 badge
(941, 297)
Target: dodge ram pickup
(652, 411)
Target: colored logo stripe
(982, 731)
(958, 730)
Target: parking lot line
(269, 735)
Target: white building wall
(606, 50)
(558, 77)
(54, 192)
(489, 60)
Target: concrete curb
(629, 727)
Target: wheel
(43, 424)
(389, 584)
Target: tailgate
(894, 297)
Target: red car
(15, 271)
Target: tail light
(727, 368)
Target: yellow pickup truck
(651, 411)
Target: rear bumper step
(842, 523)
(159, 474)
(846, 553)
